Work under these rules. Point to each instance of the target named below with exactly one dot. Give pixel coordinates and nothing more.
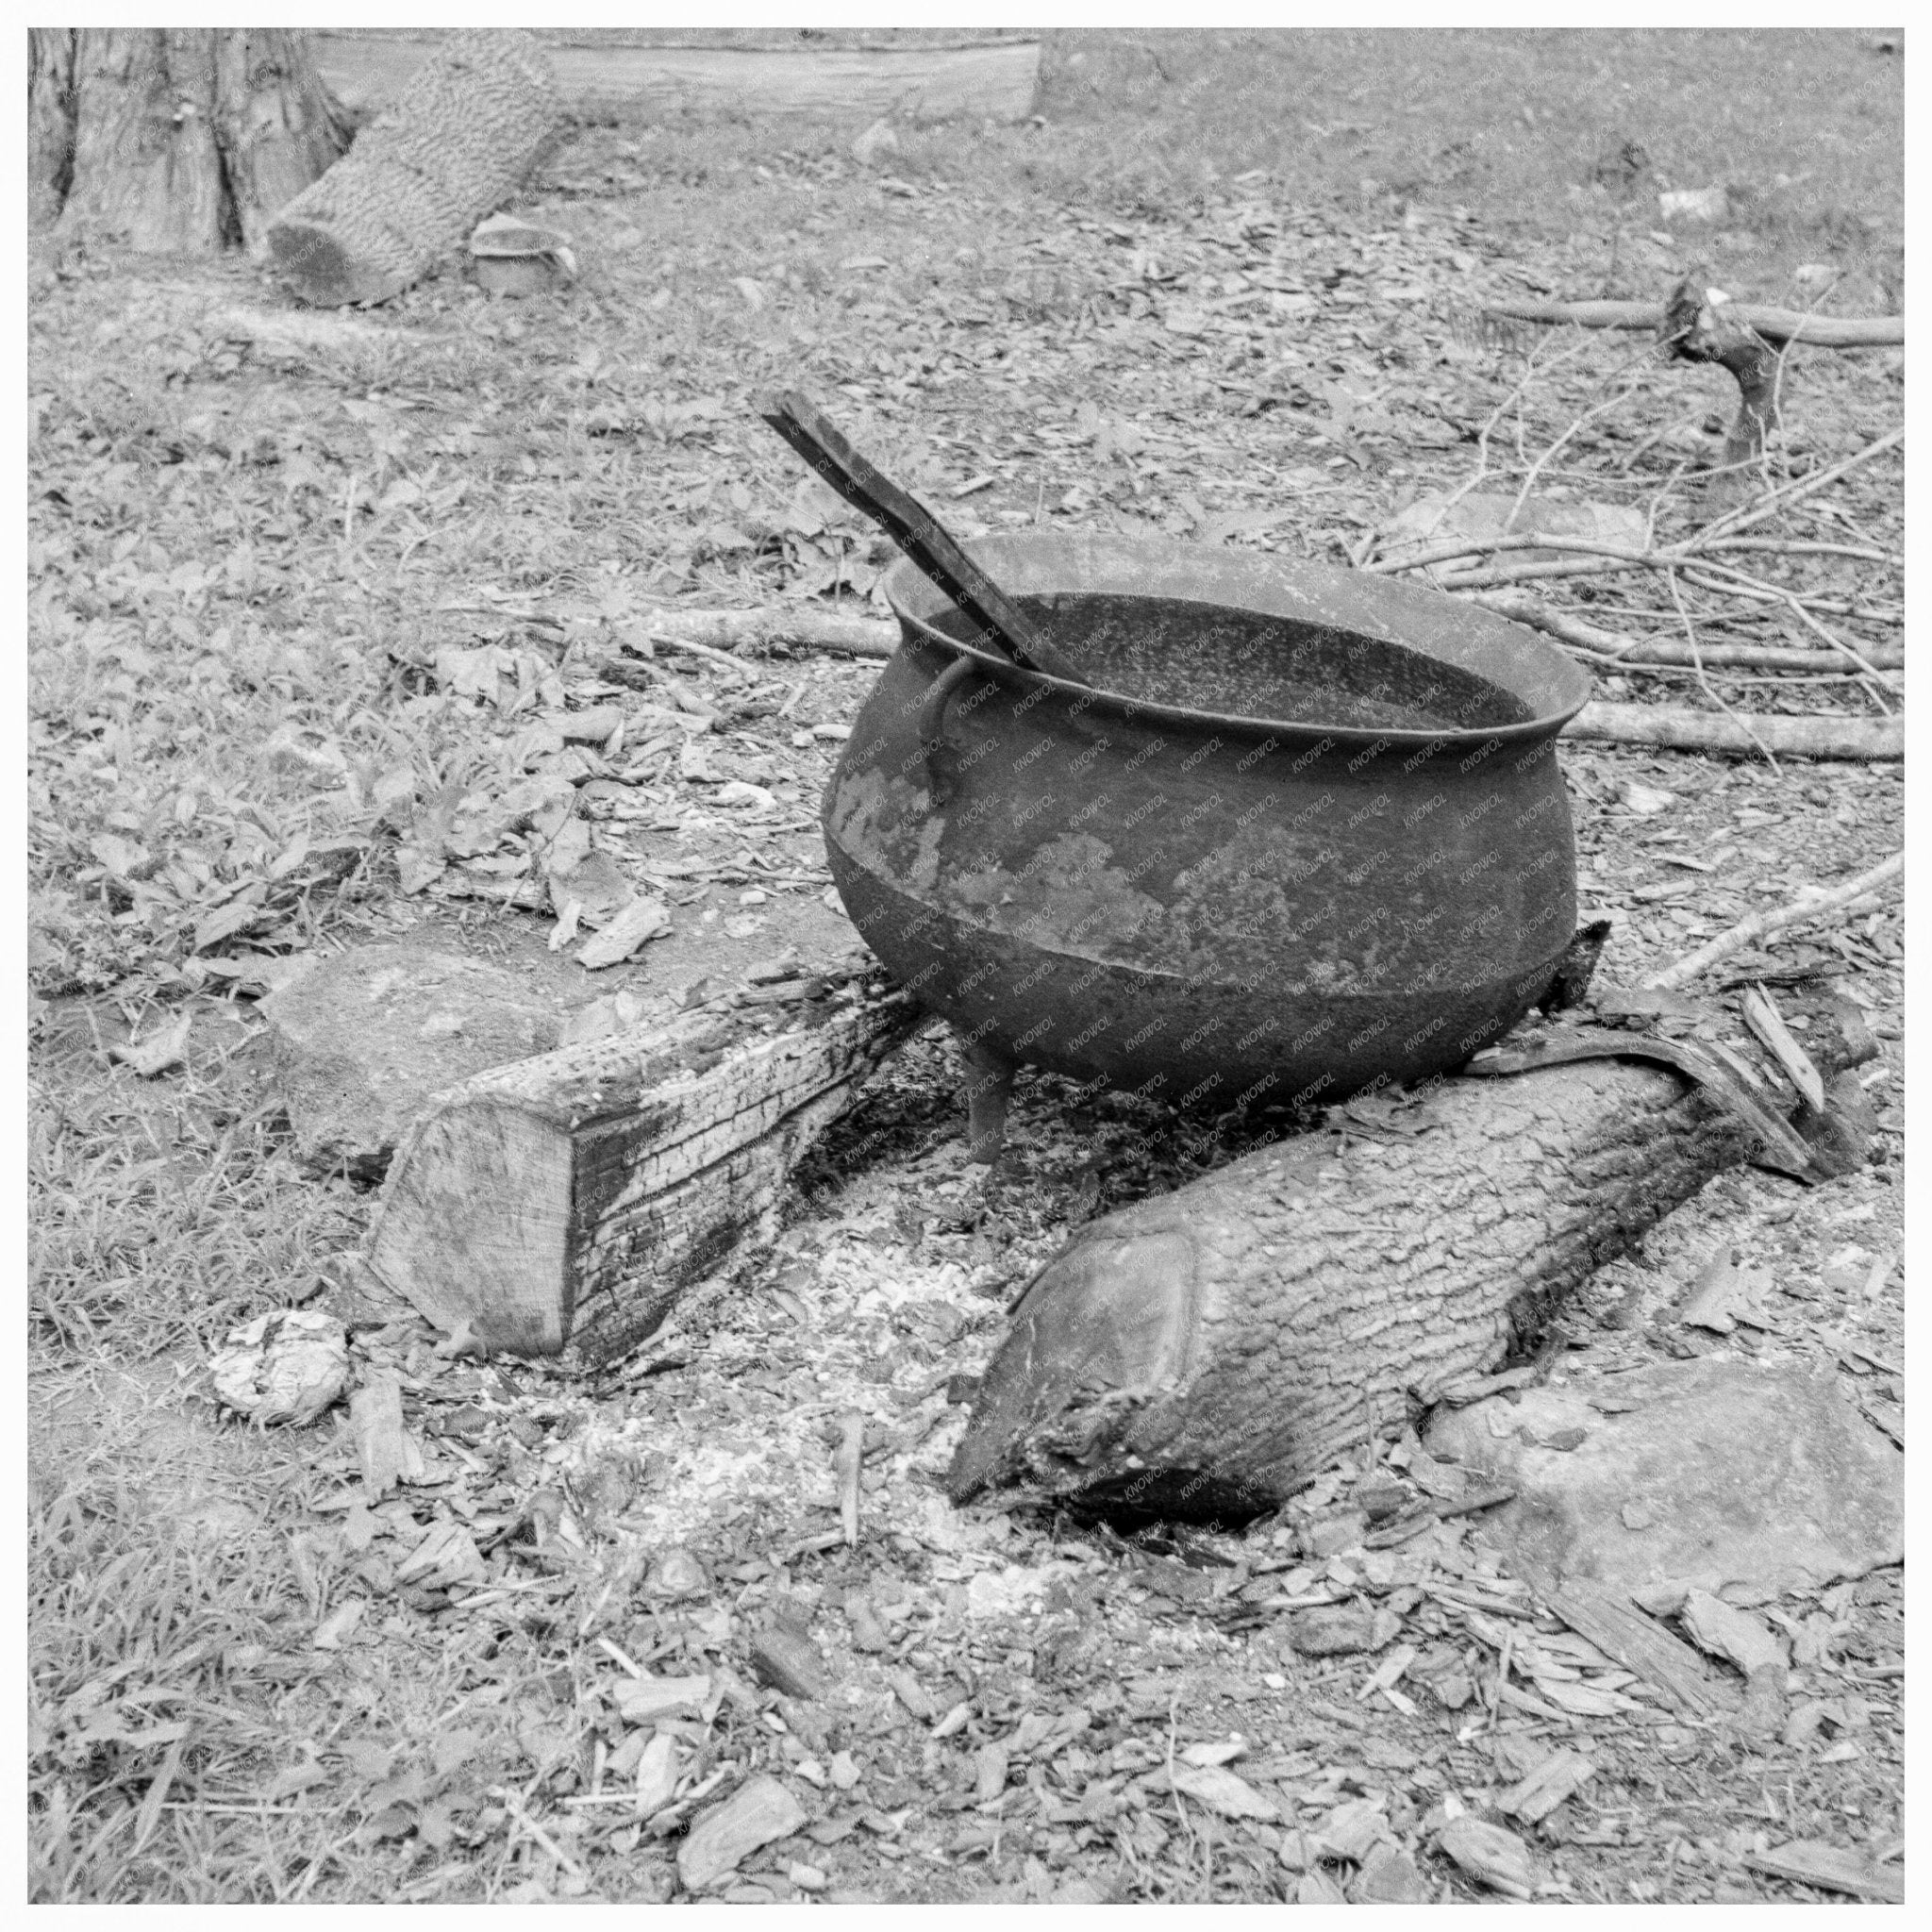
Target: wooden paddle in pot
(931, 548)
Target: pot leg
(989, 1087)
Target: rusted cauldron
(1303, 832)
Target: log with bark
(1207, 1353)
(932, 78)
(1775, 325)
(571, 1199)
(176, 140)
(461, 137)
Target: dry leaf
(158, 1051)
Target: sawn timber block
(571, 1198)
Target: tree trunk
(460, 139)
(50, 121)
(1207, 1353)
(176, 140)
(571, 1198)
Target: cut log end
(321, 268)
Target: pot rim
(1436, 625)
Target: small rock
(879, 138)
(1695, 204)
(722, 1836)
(1490, 1855)
(677, 1573)
(842, 1771)
(286, 1366)
(806, 1877)
(1733, 1474)
(1317, 1889)
(990, 1771)
(1332, 1629)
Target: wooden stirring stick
(920, 534)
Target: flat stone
(1726, 1475)
(364, 1037)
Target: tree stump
(178, 141)
(1204, 1354)
(461, 139)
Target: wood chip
(720, 1839)
(1722, 1629)
(643, 1700)
(1611, 1622)
(1490, 1855)
(1830, 1868)
(789, 1662)
(1220, 1790)
(1548, 1786)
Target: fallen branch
(774, 628)
(1775, 325)
(1747, 932)
(572, 1198)
(1208, 1352)
(1572, 629)
(1817, 737)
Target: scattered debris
(286, 1367)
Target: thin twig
(1704, 679)
(1734, 939)
(1793, 493)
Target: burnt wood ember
(1204, 1354)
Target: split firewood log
(571, 1198)
(462, 135)
(1207, 1353)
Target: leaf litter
(589, 1561)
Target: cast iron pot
(1302, 833)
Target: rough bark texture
(460, 139)
(1204, 1354)
(1697, 330)
(181, 141)
(573, 1198)
(278, 127)
(50, 121)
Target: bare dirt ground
(253, 533)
